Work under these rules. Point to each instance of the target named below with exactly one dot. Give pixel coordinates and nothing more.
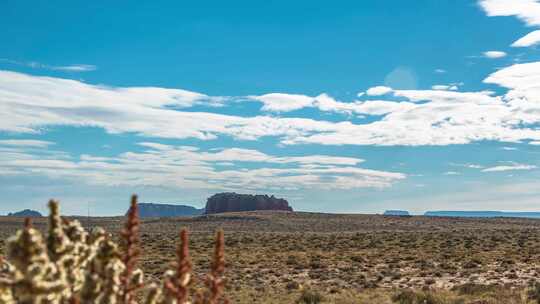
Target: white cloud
(378, 91)
(470, 166)
(510, 167)
(444, 87)
(420, 117)
(189, 167)
(325, 103)
(447, 97)
(65, 68)
(531, 39)
(518, 76)
(440, 71)
(452, 173)
(76, 68)
(25, 143)
(279, 102)
(494, 54)
(369, 107)
(523, 82)
(527, 11)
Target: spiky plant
(215, 280)
(72, 266)
(35, 279)
(176, 282)
(132, 278)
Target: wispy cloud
(75, 68)
(494, 54)
(25, 143)
(65, 68)
(444, 87)
(531, 39)
(279, 102)
(406, 117)
(192, 168)
(451, 173)
(509, 167)
(527, 11)
(470, 166)
(378, 91)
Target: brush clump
(71, 265)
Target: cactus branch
(131, 252)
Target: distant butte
(26, 213)
(235, 202)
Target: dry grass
(282, 257)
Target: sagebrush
(71, 265)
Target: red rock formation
(234, 202)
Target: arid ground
(284, 257)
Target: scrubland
(285, 257)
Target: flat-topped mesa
(396, 213)
(167, 210)
(25, 213)
(235, 202)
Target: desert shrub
(475, 289)
(414, 297)
(310, 296)
(405, 297)
(71, 265)
(534, 292)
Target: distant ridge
(483, 214)
(396, 212)
(167, 210)
(25, 213)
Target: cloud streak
(527, 11)
(531, 39)
(25, 143)
(188, 167)
(407, 117)
(65, 68)
(510, 167)
(494, 54)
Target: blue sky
(357, 106)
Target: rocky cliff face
(234, 202)
(26, 213)
(164, 210)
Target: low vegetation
(273, 257)
(70, 265)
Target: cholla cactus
(5, 288)
(112, 277)
(68, 248)
(34, 278)
(73, 266)
(102, 282)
